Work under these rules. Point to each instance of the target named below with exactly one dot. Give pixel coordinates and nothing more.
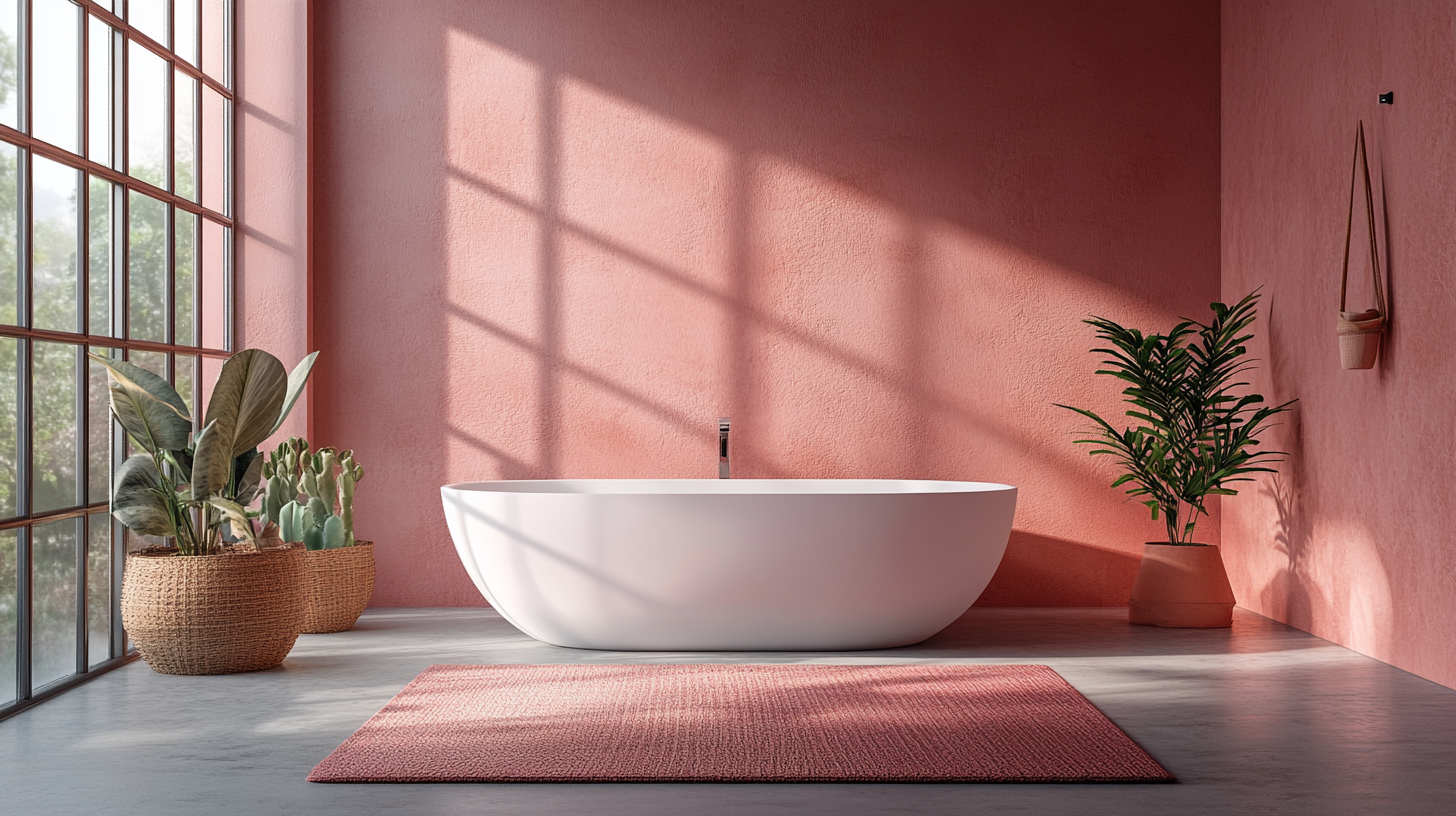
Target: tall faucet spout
(723, 447)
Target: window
(116, 122)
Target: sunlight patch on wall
(643, 184)
(494, 108)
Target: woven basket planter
(213, 614)
(337, 584)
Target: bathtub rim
(734, 487)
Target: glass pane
(56, 101)
(53, 578)
(186, 256)
(147, 267)
(98, 430)
(53, 423)
(9, 93)
(185, 23)
(186, 378)
(109, 5)
(214, 150)
(146, 116)
(9, 424)
(54, 276)
(183, 134)
(215, 41)
(9, 613)
(98, 264)
(9, 233)
(151, 17)
(98, 90)
(98, 588)
(214, 285)
(153, 361)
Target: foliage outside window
(115, 239)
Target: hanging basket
(337, 584)
(213, 614)
(1359, 332)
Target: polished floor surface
(1258, 719)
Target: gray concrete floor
(1261, 718)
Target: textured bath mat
(740, 723)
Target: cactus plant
(310, 495)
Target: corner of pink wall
(1351, 539)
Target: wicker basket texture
(337, 584)
(215, 614)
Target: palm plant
(1191, 436)
(194, 488)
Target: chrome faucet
(723, 447)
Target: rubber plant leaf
(211, 463)
(297, 379)
(123, 372)
(246, 400)
(154, 423)
(137, 498)
(236, 518)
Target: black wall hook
(1387, 98)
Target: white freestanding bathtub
(730, 564)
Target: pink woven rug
(739, 723)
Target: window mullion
(23, 606)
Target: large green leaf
(138, 498)
(297, 379)
(211, 463)
(152, 423)
(134, 375)
(247, 399)
(148, 408)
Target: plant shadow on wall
(1292, 595)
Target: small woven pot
(337, 584)
(213, 614)
(1359, 335)
(1181, 586)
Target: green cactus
(347, 480)
(292, 521)
(328, 489)
(333, 533)
(310, 496)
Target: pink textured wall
(1353, 540)
(272, 191)
(559, 239)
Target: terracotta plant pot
(213, 614)
(1182, 586)
(337, 584)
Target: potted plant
(1191, 438)
(214, 602)
(308, 498)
